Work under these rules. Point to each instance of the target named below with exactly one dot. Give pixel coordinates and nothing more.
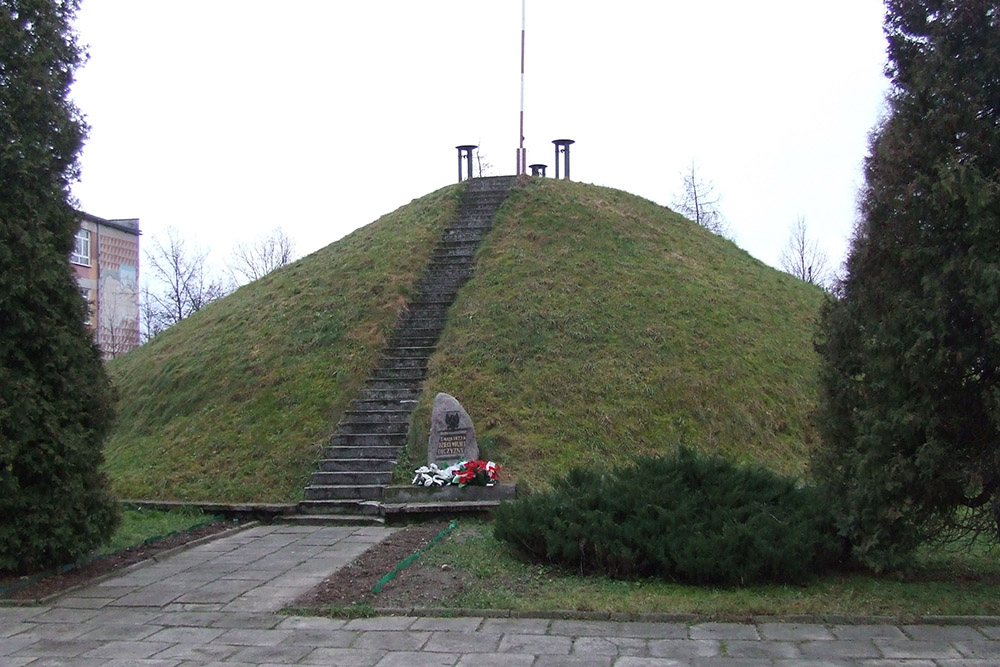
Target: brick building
(105, 259)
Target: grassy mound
(234, 403)
(598, 326)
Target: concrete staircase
(358, 462)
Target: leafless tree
(251, 261)
(803, 258)
(117, 332)
(698, 202)
(181, 272)
(485, 167)
(150, 322)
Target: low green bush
(686, 516)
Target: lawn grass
(955, 580)
(139, 526)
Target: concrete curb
(688, 619)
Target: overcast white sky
(227, 118)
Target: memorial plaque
(453, 437)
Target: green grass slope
(234, 403)
(598, 325)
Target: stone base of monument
(411, 499)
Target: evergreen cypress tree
(54, 395)
(910, 418)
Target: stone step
(443, 269)
(403, 362)
(423, 323)
(416, 374)
(357, 465)
(386, 404)
(343, 492)
(411, 340)
(447, 244)
(439, 315)
(395, 394)
(339, 507)
(350, 478)
(376, 416)
(419, 335)
(409, 352)
(372, 428)
(456, 235)
(491, 183)
(324, 519)
(478, 222)
(386, 445)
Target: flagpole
(522, 159)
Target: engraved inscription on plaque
(451, 445)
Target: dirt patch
(38, 587)
(415, 586)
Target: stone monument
(453, 437)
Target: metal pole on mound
(522, 157)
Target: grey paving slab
(523, 626)
(470, 624)
(650, 662)
(685, 648)
(253, 637)
(585, 628)
(57, 648)
(867, 631)
(536, 644)
(573, 661)
(843, 648)
(65, 631)
(611, 646)
(199, 652)
(120, 632)
(496, 660)
(763, 649)
(344, 657)
(912, 649)
(321, 638)
(127, 649)
(794, 631)
(725, 631)
(979, 649)
(392, 640)
(185, 635)
(260, 655)
(416, 659)
(653, 630)
(459, 642)
(311, 623)
(381, 623)
(943, 633)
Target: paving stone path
(214, 605)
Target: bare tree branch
(699, 203)
(804, 259)
(181, 271)
(251, 261)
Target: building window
(81, 248)
(85, 293)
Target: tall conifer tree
(910, 418)
(54, 394)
